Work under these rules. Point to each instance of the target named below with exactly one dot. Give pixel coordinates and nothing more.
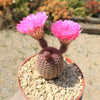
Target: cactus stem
(63, 48)
(43, 43)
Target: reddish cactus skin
(64, 45)
(43, 43)
(50, 63)
(63, 48)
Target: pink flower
(66, 30)
(32, 23)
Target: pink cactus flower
(65, 30)
(32, 23)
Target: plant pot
(69, 61)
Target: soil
(16, 47)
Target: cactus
(50, 60)
(50, 63)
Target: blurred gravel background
(16, 47)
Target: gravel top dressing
(67, 87)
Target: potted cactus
(49, 62)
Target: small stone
(80, 77)
(51, 81)
(80, 81)
(76, 96)
(28, 63)
(29, 90)
(66, 96)
(25, 68)
(26, 75)
(55, 91)
(48, 88)
(81, 87)
(50, 96)
(34, 98)
(41, 98)
(57, 96)
(67, 89)
(71, 89)
(63, 92)
(29, 70)
(61, 97)
(39, 86)
(25, 84)
(70, 97)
